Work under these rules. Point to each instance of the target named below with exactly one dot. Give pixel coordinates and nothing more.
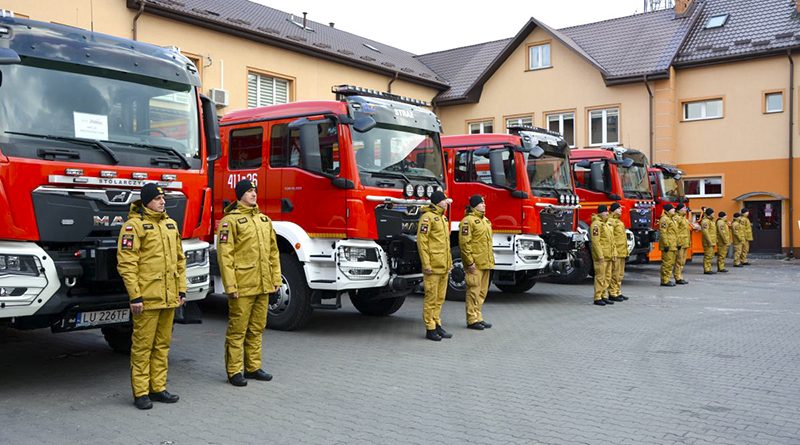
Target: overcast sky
(423, 26)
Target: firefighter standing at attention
(747, 230)
(151, 263)
(723, 241)
(602, 253)
(738, 239)
(249, 262)
(433, 244)
(668, 243)
(709, 228)
(477, 255)
(621, 249)
(684, 241)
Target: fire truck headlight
(420, 191)
(19, 265)
(196, 257)
(561, 199)
(429, 191)
(409, 190)
(359, 254)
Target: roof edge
(736, 57)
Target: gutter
(136, 18)
(791, 153)
(650, 100)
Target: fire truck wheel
(522, 285)
(118, 337)
(376, 308)
(292, 307)
(457, 283)
(575, 274)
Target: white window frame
(766, 102)
(561, 124)
(261, 80)
(518, 120)
(540, 53)
(704, 113)
(481, 126)
(604, 114)
(702, 180)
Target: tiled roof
(753, 28)
(256, 21)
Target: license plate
(97, 318)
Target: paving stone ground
(714, 362)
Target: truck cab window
(245, 149)
(480, 169)
(286, 151)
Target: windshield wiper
(386, 174)
(88, 142)
(171, 150)
(441, 184)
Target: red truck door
(242, 158)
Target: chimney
(331, 24)
(304, 19)
(682, 6)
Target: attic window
(717, 21)
(371, 47)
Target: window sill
(773, 112)
(604, 144)
(703, 196)
(539, 69)
(703, 119)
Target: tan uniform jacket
(723, 232)
(475, 241)
(247, 252)
(618, 232)
(668, 232)
(150, 258)
(602, 237)
(433, 240)
(736, 231)
(709, 231)
(684, 230)
(747, 229)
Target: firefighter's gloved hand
(137, 308)
(182, 297)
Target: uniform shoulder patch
(595, 231)
(436, 218)
(148, 226)
(465, 229)
(129, 228)
(223, 236)
(705, 224)
(241, 220)
(127, 242)
(264, 218)
(225, 224)
(423, 228)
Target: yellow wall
(311, 77)
(572, 83)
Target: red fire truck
(525, 179)
(614, 174)
(86, 120)
(343, 182)
(666, 182)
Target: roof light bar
(515, 129)
(351, 90)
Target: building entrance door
(766, 219)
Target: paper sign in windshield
(91, 126)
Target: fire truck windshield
(672, 188)
(402, 151)
(635, 182)
(548, 175)
(129, 114)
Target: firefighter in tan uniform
(738, 238)
(621, 250)
(747, 230)
(151, 263)
(602, 237)
(684, 238)
(668, 243)
(249, 262)
(709, 228)
(477, 255)
(433, 244)
(723, 241)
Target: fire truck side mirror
(364, 124)
(211, 128)
(8, 56)
(598, 177)
(497, 169)
(309, 143)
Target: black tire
(118, 337)
(457, 281)
(574, 274)
(522, 284)
(364, 302)
(292, 309)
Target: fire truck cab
(343, 182)
(667, 184)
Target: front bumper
(519, 252)
(642, 241)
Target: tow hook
(70, 281)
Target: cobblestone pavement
(714, 362)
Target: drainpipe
(650, 94)
(791, 153)
(389, 87)
(136, 17)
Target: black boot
(237, 379)
(478, 326)
(623, 297)
(258, 374)
(681, 281)
(486, 324)
(442, 333)
(600, 302)
(607, 301)
(723, 271)
(143, 402)
(164, 397)
(615, 298)
(668, 284)
(431, 334)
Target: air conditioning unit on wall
(219, 97)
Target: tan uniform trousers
(602, 270)
(152, 334)
(617, 274)
(247, 319)
(745, 251)
(708, 258)
(668, 265)
(737, 253)
(680, 263)
(435, 292)
(722, 253)
(477, 288)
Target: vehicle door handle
(286, 205)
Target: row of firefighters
(153, 268)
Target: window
(519, 121)
(245, 148)
(563, 123)
(773, 102)
(703, 187)
(583, 175)
(197, 61)
(702, 109)
(286, 150)
(717, 21)
(481, 127)
(539, 56)
(473, 168)
(604, 126)
(264, 90)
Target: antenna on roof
(655, 5)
